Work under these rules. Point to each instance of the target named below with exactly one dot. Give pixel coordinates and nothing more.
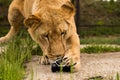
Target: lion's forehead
(51, 19)
(50, 14)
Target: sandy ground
(106, 65)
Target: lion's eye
(46, 36)
(63, 33)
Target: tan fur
(51, 24)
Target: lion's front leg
(72, 55)
(44, 60)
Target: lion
(51, 24)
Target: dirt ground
(106, 65)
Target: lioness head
(51, 28)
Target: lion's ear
(31, 20)
(68, 9)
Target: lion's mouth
(52, 57)
(53, 60)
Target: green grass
(100, 35)
(99, 49)
(100, 40)
(12, 60)
(117, 76)
(3, 31)
(5, 2)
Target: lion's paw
(71, 60)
